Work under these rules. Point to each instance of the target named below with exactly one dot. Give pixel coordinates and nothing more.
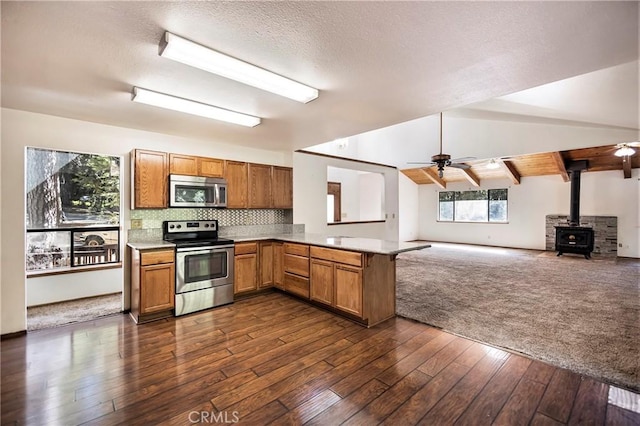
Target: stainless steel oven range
(204, 265)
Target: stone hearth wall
(605, 232)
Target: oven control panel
(191, 226)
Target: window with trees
(489, 205)
(72, 209)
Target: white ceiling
(375, 63)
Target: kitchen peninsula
(353, 277)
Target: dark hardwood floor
(274, 359)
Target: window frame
(72, 230)
(488, 200)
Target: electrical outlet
(620, 245)
(136, 223)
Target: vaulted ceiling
(375, 63)
(599, 159)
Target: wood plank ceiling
(514, 168)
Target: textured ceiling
(375, 63)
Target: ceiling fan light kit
(149, 97)
(493, 164)
(198, 56)
(625, 151)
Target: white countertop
(150, 245)
(367, 245)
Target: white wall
(348, 179)
(602, 194)
(56, 288)
(408, 209)
(370, 190)
(310, 198)
(21, 129)
(465, 134)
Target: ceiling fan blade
(460, 166)
(631, 144)
(431, 163)
(462, 159)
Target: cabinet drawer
(156, 257)
(246, 248)
(341, 256)
(296, 285)
(297, 249)
(296, 265)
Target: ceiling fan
(444, 160)
(625, 149)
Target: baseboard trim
(14, 335)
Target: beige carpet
(57, 314)
(579, 314)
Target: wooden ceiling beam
(559, 160)
(626, 166)
(433, 175)
(511, 171)
(471, 177)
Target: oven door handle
(194, 249)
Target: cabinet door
(348, 282)
(245, 270)
(210, 167)
(278, 265)
(236, 176)
(282, 187)
(183, 165)
(266, 265)
(259, 186)
(157, 288)
(321, 281)
(151, 174)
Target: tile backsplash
(231, 221)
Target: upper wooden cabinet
(255, 186)
(282, 187)
(183, 165)
(191, 165)
(236, 176)
(210, 167)
(150, 179)
(259, 186)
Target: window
(72, 209)
(489, 205)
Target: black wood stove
(575, 238)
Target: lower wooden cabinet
(348, 283)
(337, 285)
(152, 284)
(360, 286)
(245, 268)
(253, 266)
(278, 265)
(265, 265)
(322, 281)
(296, 269)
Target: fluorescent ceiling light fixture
(198, 56)
(624, 151)
(493, 164)
(161, 100)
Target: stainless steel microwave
(195, 191)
